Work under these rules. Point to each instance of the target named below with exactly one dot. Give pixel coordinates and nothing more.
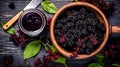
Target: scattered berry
(11, 5)
(49, 20)
(49, 51)
(37, 62)
(75, 54)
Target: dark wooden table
(8, 48)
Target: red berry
(20, 32)
(75, 54)
(106, 53)
(37, 62)
(55, 53)
(48, 57)
(49, 51)
(113, 46)
(41, 65)
(22, 41)
(52, 58)
(79, 39)
(56, 57)
(49, 20)
(95, 42)
(62, 39)
(76, 48)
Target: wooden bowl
(99, 15)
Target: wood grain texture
(8, 48)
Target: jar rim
(36, 32)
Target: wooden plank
(8, 48)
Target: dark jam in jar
(32, 21)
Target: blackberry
(92, 15)
(65, 28)
(81, 51)
(69, 24)
(87, 50)
(79, 16)
(90, 45)
(84, 32)
(11, 5)
(70, 17)
(89, 28)
(70, 43)
(77, 23)
(83, 10)
(8, 59)
(68, 13)
(96, 36)
(74, 12)
(82, 16)
(59, 25)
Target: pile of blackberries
(78, 29)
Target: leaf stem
(48, 45)
(44, 45)
(65, 65)
(32, 39)
(116, 65)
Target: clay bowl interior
(99, 15)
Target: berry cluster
(44, 63)
(79, 30)
(32, 21)
(7, 59)
(112, 51)
(46, 59)
(20, 39)
(52, 56)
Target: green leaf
(10, 30)
(75, 0)
(52, 48)
(116, 65)
(48, 6)
(32, 49)
(100, 59)
(95, 65)
(61, 60)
